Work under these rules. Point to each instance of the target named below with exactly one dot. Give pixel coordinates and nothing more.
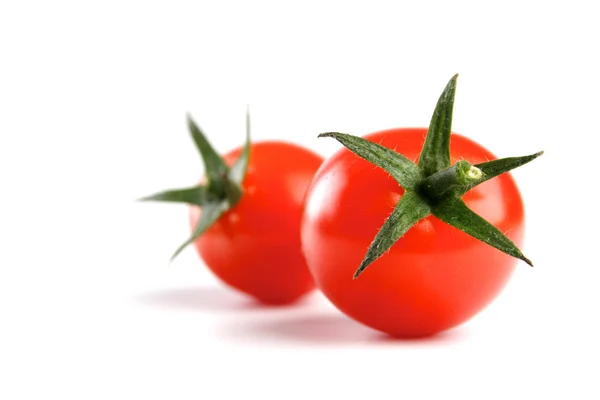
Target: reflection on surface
(323, 329)
(208, 298)
(310, 322)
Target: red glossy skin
(255, 246)
(435, 277)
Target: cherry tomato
(432, 279)
(255, 246)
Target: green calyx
(223, 188)
(433, 186)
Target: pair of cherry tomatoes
(295, 220)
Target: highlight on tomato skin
(432, 279)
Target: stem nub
(455, 179)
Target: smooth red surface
(435, 277)
(255, 246)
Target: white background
(93, 97)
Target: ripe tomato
(435, 277)
(255, 246)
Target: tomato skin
(255, 246)
(435, 277)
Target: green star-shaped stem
(433, 186)
(223, 188)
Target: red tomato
(435, 277)
(255, 246)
